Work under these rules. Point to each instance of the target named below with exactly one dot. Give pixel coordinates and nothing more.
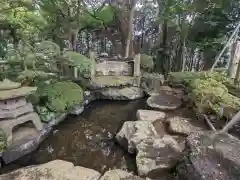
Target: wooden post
(235, 58)
(137, 69)
(93, 67)
(75, 69)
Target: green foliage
(3, 141)
(33, 78)
(80, 61)
(186, 77)
(45, 114)
(57, 97)
(147, 62)
(207, 90)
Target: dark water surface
(88, 140)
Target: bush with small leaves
(147, 63)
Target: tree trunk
(183, 55)
(129, 37)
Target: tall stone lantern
(14, 109)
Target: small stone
(151, 116)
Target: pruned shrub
(54, 98)
(80, 61)
(147, 63)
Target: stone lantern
(14, 109)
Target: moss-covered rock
(147, 63)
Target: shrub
(147, 63)
(56, 97)
(33, 78)
(80, 61)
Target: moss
(147, 62)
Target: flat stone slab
(164, 102)
(112, 81)
(180, 125)
(54, 170)
(151, 116)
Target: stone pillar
(137, 69)
(137, 62)
(93, 67)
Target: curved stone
(54, 170)
(128, 93)
(151, 116)
(164, 102)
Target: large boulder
(156, 156)
(181, 125)
(164, 102)
(212, 155)
(54, 170)
(151, 116)
(132, 133)
(127, 93)
(118, 174)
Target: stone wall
(114, 68)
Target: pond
(88, 140)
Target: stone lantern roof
(10, 90)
